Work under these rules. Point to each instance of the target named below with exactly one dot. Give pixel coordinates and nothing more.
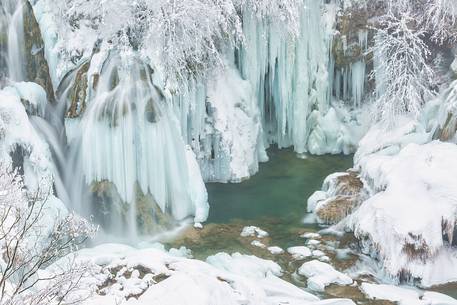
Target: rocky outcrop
(36, 66)
(78, 92)
(340, 195)
(346, 47)
(449, 130)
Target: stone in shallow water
(311, 235)
(257, 243)
(253, 231)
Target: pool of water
(279, 190)
(274, 199)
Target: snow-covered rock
(253, 231)
(311, 235)
(258, 244)
(130, 276)
(320, 275)
(275, 250)
(32, 96)
(341, 193)
(405, 295)
(435, 298)
(299, 252)
(390, 292)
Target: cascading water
(12, 44)
(128, 140)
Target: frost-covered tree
(31, 240)
(404, 67)
(402, 72)
(185, 37)
(440, 20)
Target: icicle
(358, 72)
(289, 76)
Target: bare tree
(31, 241)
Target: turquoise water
(279, 190)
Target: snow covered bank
(407, 209)
(405, 295)
(410, 220)
(125, 275)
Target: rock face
(36, 67)
(340, 195)
(346, 44)
(78, 92)
(449, 130)
(108, 203)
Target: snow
(405, 295)
(223, 280)
(320, 275)
(33, 94)
(312, 242)
(389, 292)
(324, 259)
(251, 231)
(413, 207)
(275, 250)
(299, 252)
(16, 131)
(259, 244)
(318, 253)
(310, 235)
(435, 298)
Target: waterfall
(129, 136)
(13, 28)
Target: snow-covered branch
(402, 73)
(29, 243)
